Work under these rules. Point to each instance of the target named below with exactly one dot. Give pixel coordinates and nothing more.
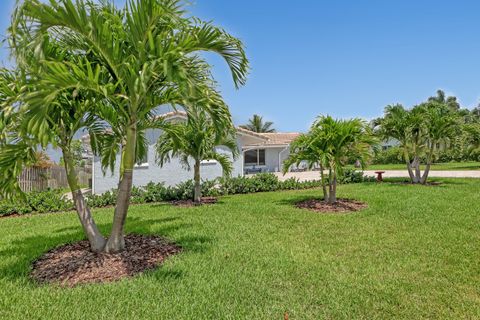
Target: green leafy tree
(421, 133)
(449, 101)
(329, 144)
(441, 124)
(54, 123)
(135, 59)
(256, 124)
(195, 141)
(77, 153)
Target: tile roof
(281, 137)
(268, 139)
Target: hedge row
(54, 201)
(394, 155)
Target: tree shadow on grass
(434, 182)
(21, 253)
(171, 204)
(293, 201)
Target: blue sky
(343, 58)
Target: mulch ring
(75, 264)
(191, 203)
(11, 215)
(341, 206)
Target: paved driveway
(315, 175)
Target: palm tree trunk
(425, 174)
(116, 241)
(427, 167)
(324, 186)
(333, 192)
(197, 197)
(95, 237)
(410, 172)
(416, 165)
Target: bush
(103, 200)
(45, 201)
(354, 176)
(391, 155)
(53, 201)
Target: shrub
(45, 201)
(53, 201)
(354, 176)
(103, 200)
(391, 155)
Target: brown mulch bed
(12, 215)
(341, 206)
(190, 203)
(75, 264)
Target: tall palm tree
(450, 101)
(197, 140)
(135, 59)
(256, 124)
(330, 143)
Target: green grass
(437, 166)
(413, 253)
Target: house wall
(272, 159)
(171, 173)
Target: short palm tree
(406, 127)
(256, 124)
(134, 60)
(195, 141)
(329, 144)
(441, 124)
(420, 131)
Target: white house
(259, 152)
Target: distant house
(258, 152)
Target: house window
(255, 157)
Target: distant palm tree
(196, 141)
(420, 132)
(329, 143)
(256, 124)
(450, 101)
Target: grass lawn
(437, 166)
(413, 253)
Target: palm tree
(420, 131)
(441, 124)
(256, 124)
(329, 144)
(450, 101)
(406, 127)
(135, 59)
(197, 140)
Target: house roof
(274, 139)
(281, 137)
(173, 114)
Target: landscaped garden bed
(340, 206)
(191, 203)
(74, 264)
